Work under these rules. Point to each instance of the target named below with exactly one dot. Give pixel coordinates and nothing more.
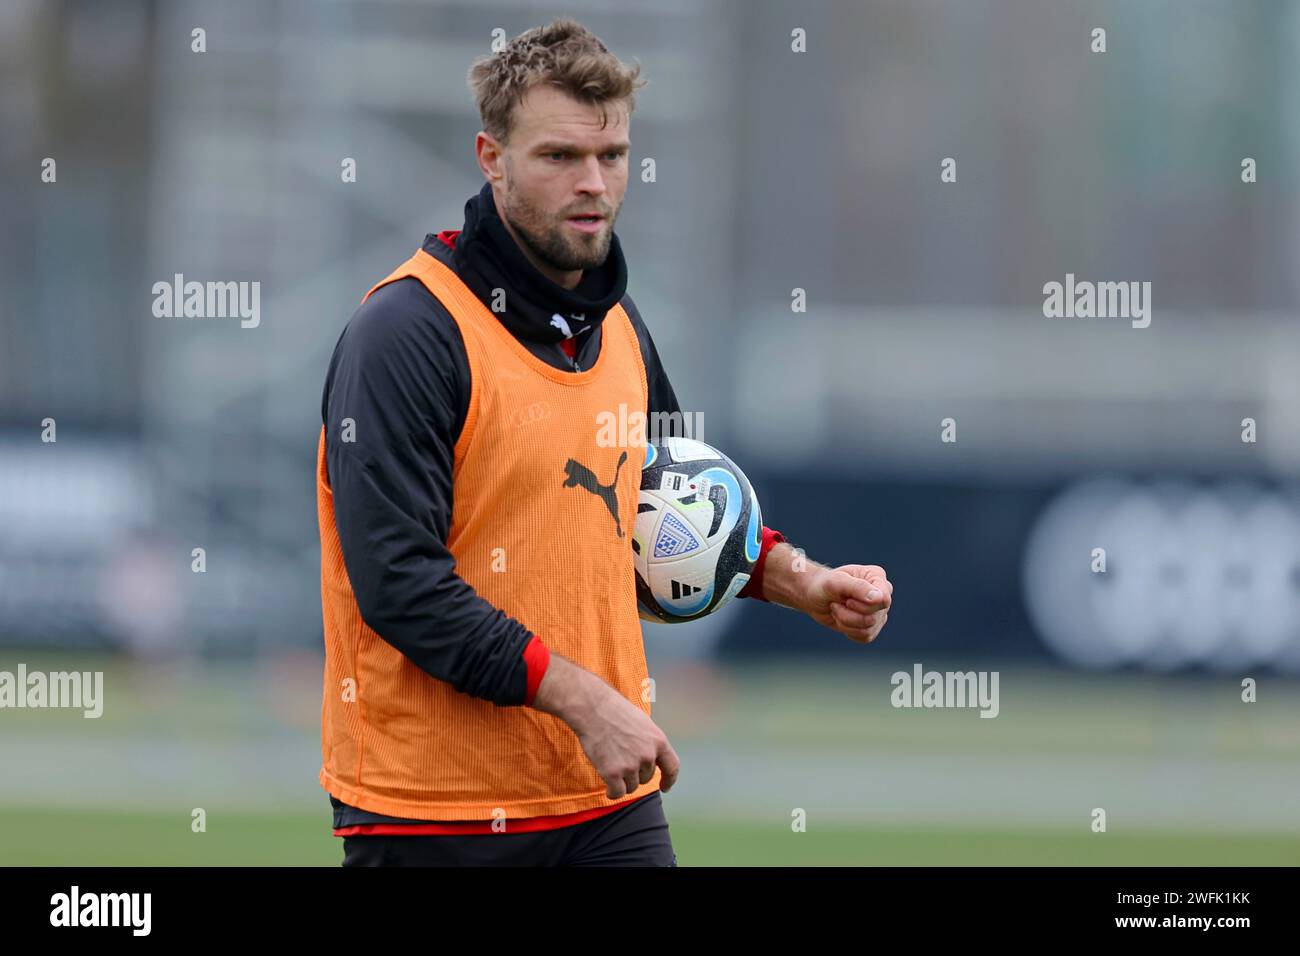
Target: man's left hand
(853, 599)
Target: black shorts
(634, 835)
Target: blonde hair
(564, 54)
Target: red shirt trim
(537, 656)
(469, 827)
(754, 587)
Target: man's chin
(571, 253)
(583, 259)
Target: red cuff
(537, 656)
(754, 588)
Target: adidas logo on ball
(684, 590)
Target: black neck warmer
(488, 258)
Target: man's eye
(557, 155)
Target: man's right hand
(620, 739)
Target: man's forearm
(569, 691)
(786, 576)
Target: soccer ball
(698, 531)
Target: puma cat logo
(579, 474)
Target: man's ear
(490, 155)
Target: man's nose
(592, 180)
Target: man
(484, 663)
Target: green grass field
(44, 837)
(1187, 773)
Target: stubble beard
(554, 243)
